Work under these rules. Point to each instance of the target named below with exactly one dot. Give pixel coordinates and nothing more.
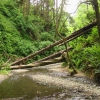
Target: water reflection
(23, 86)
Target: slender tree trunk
(96, 7)
(64, 40)
(26, 8)
(47, 15)
(56, 17)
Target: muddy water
(23, 86)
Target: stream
(48, 82)
(25, 87)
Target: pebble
(99, 87)
(62, 95)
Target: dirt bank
(3, 77)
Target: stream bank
(78, 87)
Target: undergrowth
(86, 54)
(4, 67)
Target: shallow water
(23, 86)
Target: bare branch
(80, 3)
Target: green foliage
(4, 71)
(16, 32)
(64, 64)
(34, 26)
(85, 56)
(84, 16)
(4, 68)
(43, 45)
(1, 63)
(45, 36)
(8, 35)
(6, 6)
(20, 37)
(24, 47)
(88, 54)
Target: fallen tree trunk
(74, 37)
(80, 31)
(53, 55)
(41, 63)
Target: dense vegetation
(24, 31)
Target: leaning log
(74, 37)
(53, 55)
(41, 63)
(47, 60)
(80, 31)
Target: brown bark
(74, 37)
(80, 31)
(41, 63)
(26, 8)
(53, 55)
(96, 7)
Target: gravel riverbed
(74, 88)
(81, 87)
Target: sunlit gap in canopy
(71, 6)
